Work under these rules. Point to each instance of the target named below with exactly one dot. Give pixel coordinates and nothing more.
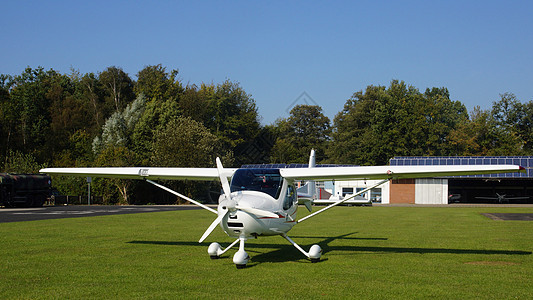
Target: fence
(74, 200)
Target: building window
(375, 195)
(347, 191)
(363, 194)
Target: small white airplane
(503, 198)
(263, 202)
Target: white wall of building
(355, 184)
(427, 190)
(431, 191)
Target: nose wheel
(240, 259)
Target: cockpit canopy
(268, 181)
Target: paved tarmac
(73, 211)
(510, 216)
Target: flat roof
(524, 161)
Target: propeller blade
(212, 226)
(223, 180)
(258, 212)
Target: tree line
(109, 119)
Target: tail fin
(308, 191)
(311, 183)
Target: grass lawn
(369, 252)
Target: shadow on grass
(286, 252)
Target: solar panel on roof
(524, 161)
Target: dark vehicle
(24, 190)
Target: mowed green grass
(369, 253)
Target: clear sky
(279, 50)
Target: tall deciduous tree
(115, 156)
(18, 162)
(514, 119)
(92, 92)
(380, 123)
(482, 136)
(35, 96)
(118, 87)
(184, 142)
(118, 129)
(306, 128)
(7, 122)
(158, 85)
(231, 115)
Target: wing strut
(342, 201)
(182, 196)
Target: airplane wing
(142, 173)
(394, 172)
(516, 198)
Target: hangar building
(488, 188)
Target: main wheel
(240, 259)
(315, 253)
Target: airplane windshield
(262, 180)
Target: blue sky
(279, 50)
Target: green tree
(6, 121)
(184, 142)
(306, 128)
(156, 116)
(69, 113)
(18, 162)
(114, 156)
(231, 115)
(513, 119)
(158, 85)
(118, 129)
(118, 88)
(36, 97)
(112, 149)
(525, 127)
(194, 103)
(92, 91)
(481, 135)
(380, 123)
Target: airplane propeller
(231, 204)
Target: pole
(89, 179)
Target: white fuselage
(241, 224)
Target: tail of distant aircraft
(311, 185)
(307, 193)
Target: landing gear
(215, 250)
(240, 259)
(314, 254)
